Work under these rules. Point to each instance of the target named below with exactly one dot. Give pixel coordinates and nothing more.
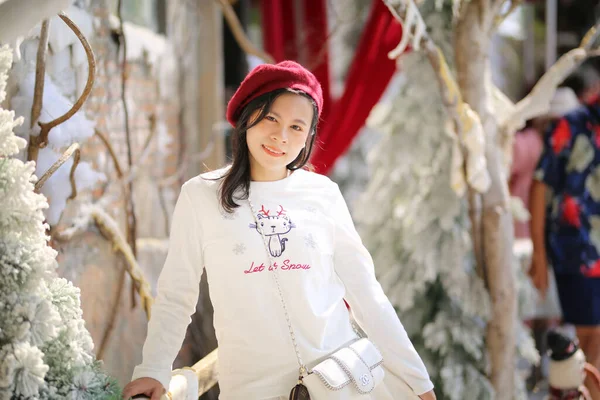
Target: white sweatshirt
(321, 261)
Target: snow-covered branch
(538, 101)
(41, 140)
(469, 152)
(74, 148)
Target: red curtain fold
(272, 28)
(316, 46)
(290, 44)
(368, 77)
(279, 29)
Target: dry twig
(76, 160)
(111, 152)
(40, 73)
(74, 148)
(130, 207)
(109, 229)
(41, 140)
(238, 32)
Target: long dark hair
(235, 184)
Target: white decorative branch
(538, 101)
(469, 162)
(413, 27)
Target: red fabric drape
(281, 41)
(316, 47)
(368, 76)
(290, 45)
(272, 28)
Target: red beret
(268, 77)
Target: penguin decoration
(568, 369)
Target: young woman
(263, 215)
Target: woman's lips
(273, 151)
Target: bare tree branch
(238, 32)
(38, 92)
(74, 148)
(130, 216)
(76, 160)
(109, 229)
(41, 140)
(111, 152)
(40, 73)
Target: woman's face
(277, 140)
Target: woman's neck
(258, 175)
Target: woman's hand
(147, 386)
(428, 396)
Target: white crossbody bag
(350, 373)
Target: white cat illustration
(273, 227)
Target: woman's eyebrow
(300, 121)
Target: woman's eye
(297, 128)
(270, 118)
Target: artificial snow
(76, 129)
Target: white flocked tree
(418, 230)
(45, 349)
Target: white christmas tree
(45, 350)
(418, 231)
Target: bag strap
(302, 370)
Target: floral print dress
(570, 167)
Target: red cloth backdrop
(368, 76)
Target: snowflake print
(239, 249)
(309, 241)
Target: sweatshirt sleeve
(369, 304)
(178, 289)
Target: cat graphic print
(274, 225)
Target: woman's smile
(272, 151)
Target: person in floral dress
(565, 223)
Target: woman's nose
(280, 136)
